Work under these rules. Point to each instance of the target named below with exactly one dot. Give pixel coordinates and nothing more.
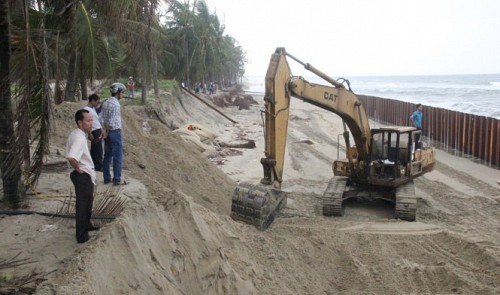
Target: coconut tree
(231, 63)
(9, 162)
(77, 40)
(183, 39)
(197, 47)
(143, 47)
(29, 74)
(32, 95)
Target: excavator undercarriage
(339, 190)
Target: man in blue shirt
(416, 119)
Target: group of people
(212, 87)
(98, 124)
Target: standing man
(112, 125)
(131, 86)
(416, 119)
(96, 142)
(83, 175)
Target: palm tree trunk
(154, 57)
(83, 81)
(9, 163)
(186, 52)
(154, 69)
(144, 92)
(70, 91)
(58, 91)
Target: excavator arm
(259, 204)
(280, 87)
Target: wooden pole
(209, 105)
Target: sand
(175, 235)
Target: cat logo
(330, 96)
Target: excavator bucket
(257, 204)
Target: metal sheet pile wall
(456, 132)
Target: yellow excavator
(381, 164)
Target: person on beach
(112, 125)
(83, 174)
(131, 86)
(97, 135)
(416, 119)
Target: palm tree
(9, 162)
(183, 40)
(189, 47)
(29, 74)
(75, 41)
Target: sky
(368, 37)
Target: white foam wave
(451, 92)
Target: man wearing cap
(112, 126)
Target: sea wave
(475, 94)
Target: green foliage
(60, 43)
(167, 85)
(197, 49)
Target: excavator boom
(280, 86)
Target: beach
(175, 235)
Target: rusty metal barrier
(458, 133)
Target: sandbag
(206, 135)
(193, 138)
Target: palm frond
(29, 72)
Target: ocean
(473, 94)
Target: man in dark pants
(83, 175)
(97, 135)
(416, 118)
(112, 127)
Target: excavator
(381, 164)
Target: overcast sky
(368, 37)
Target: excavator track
(257, 205)
(333, 197)
(406, 202)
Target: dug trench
(175, 235)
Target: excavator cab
(391, 152)
(394, 158)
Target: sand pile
(175, 235)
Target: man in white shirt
(83, 175)
(97, 135)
